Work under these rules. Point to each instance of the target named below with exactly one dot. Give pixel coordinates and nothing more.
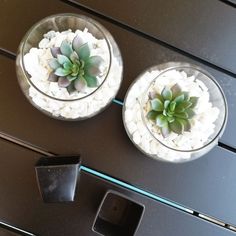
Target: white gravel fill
(36, 64)
(202, 123)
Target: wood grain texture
(138, 53)
(206, 185)
(21, 204)
(103, 144)
(205, 29)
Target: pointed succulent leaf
(170, 113)
(74, 57)
(166, 104)
(62, 59)
(80, 84)
(152, 115)
(91, 81)
(170, 119)
(93, 65)
(157, 105)
(172, 106)
(70, 89)
(183, 115)
(179, 98)
(54, 64)
(84, 52)
(181, 107)
(160, 97)
(165, 131)
(92, 70)
(52, 77)
(63, 82)
(70, 77)
(95, 60)
(82, 63)
(166, 94)
(77, 43)
(176, 90)
(186, 96)
(190, 113)
(61, 72)
(66, 48)
(161, 120)
(186, 104)
(67, 65)
(164, 112)
(186, 123)
(55, 51)
(177, 127)
(194, 101)
(75, 69)
(152, 95)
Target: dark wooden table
(195, 198)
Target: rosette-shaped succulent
(171, 110)
(73, 67)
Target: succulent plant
(73, 67)
(171, 110)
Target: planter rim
(110, 191)
(40, 163)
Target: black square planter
(118, 215)
(57, 177)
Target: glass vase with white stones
(202, 124)
(54, 67)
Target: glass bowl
(64, 106)
(207, 126)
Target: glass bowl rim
(38, 23)
(164, 67)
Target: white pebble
(128, 115)
(137, 137)
(132, 127)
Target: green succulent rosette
(172, 110)
(72, 66)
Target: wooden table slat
(206, 185)
(205, 29)
(22, 206)
(134, 62)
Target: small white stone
(44, 43)
(50, 34)
(145, 143)
(130, 101)
(132, 127)
(153, 146)
(137, 137)
(128, 115)
(141, 128)
(99, 95)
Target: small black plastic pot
(118, 215)
(57, 177)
